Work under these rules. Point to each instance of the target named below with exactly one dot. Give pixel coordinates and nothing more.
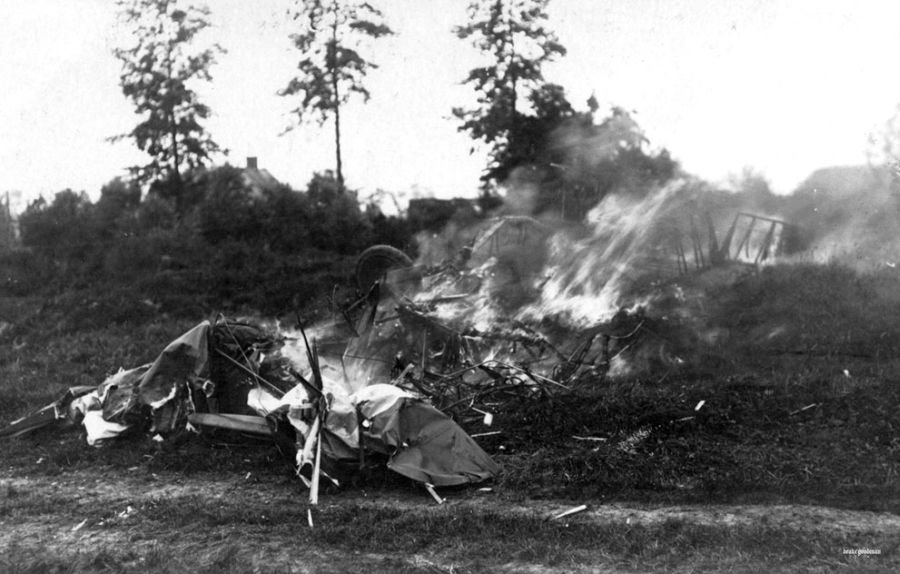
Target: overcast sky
(783, 86)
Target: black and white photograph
(449, 286)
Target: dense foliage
(514, 37)
(222, 243)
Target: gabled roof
(259, 180)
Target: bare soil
(127, 517)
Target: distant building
(258, 180)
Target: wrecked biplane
(234, 375)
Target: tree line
(218, 240)
(524, 120)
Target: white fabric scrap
(297, 400)
(79, 407)
(99, 429)
(379, 398)
(261, 401)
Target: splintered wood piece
(570, 512)
(434, 494)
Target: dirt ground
(129, 516)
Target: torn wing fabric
(164, 388)
(98, 429)
(380, 405)
(262, 402)
(340, 441)
(116, 392)
(49, 415)
(436, 450)
(421, 442)
(377, 399)
(424, 443)
(122, 399)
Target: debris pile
(235, 375)
(461, 334)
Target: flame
(579, 277)
(587, 279)
(518, 273)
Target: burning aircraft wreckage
(526, 309)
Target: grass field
(791, 461)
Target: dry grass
(243, 533)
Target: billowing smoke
(657, 252)
(628, 285)
(850, 215)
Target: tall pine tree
(158, 69)
(331, 67)
(514, 37)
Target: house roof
(259, 180)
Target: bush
(218, 240)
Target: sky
(784, 87)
